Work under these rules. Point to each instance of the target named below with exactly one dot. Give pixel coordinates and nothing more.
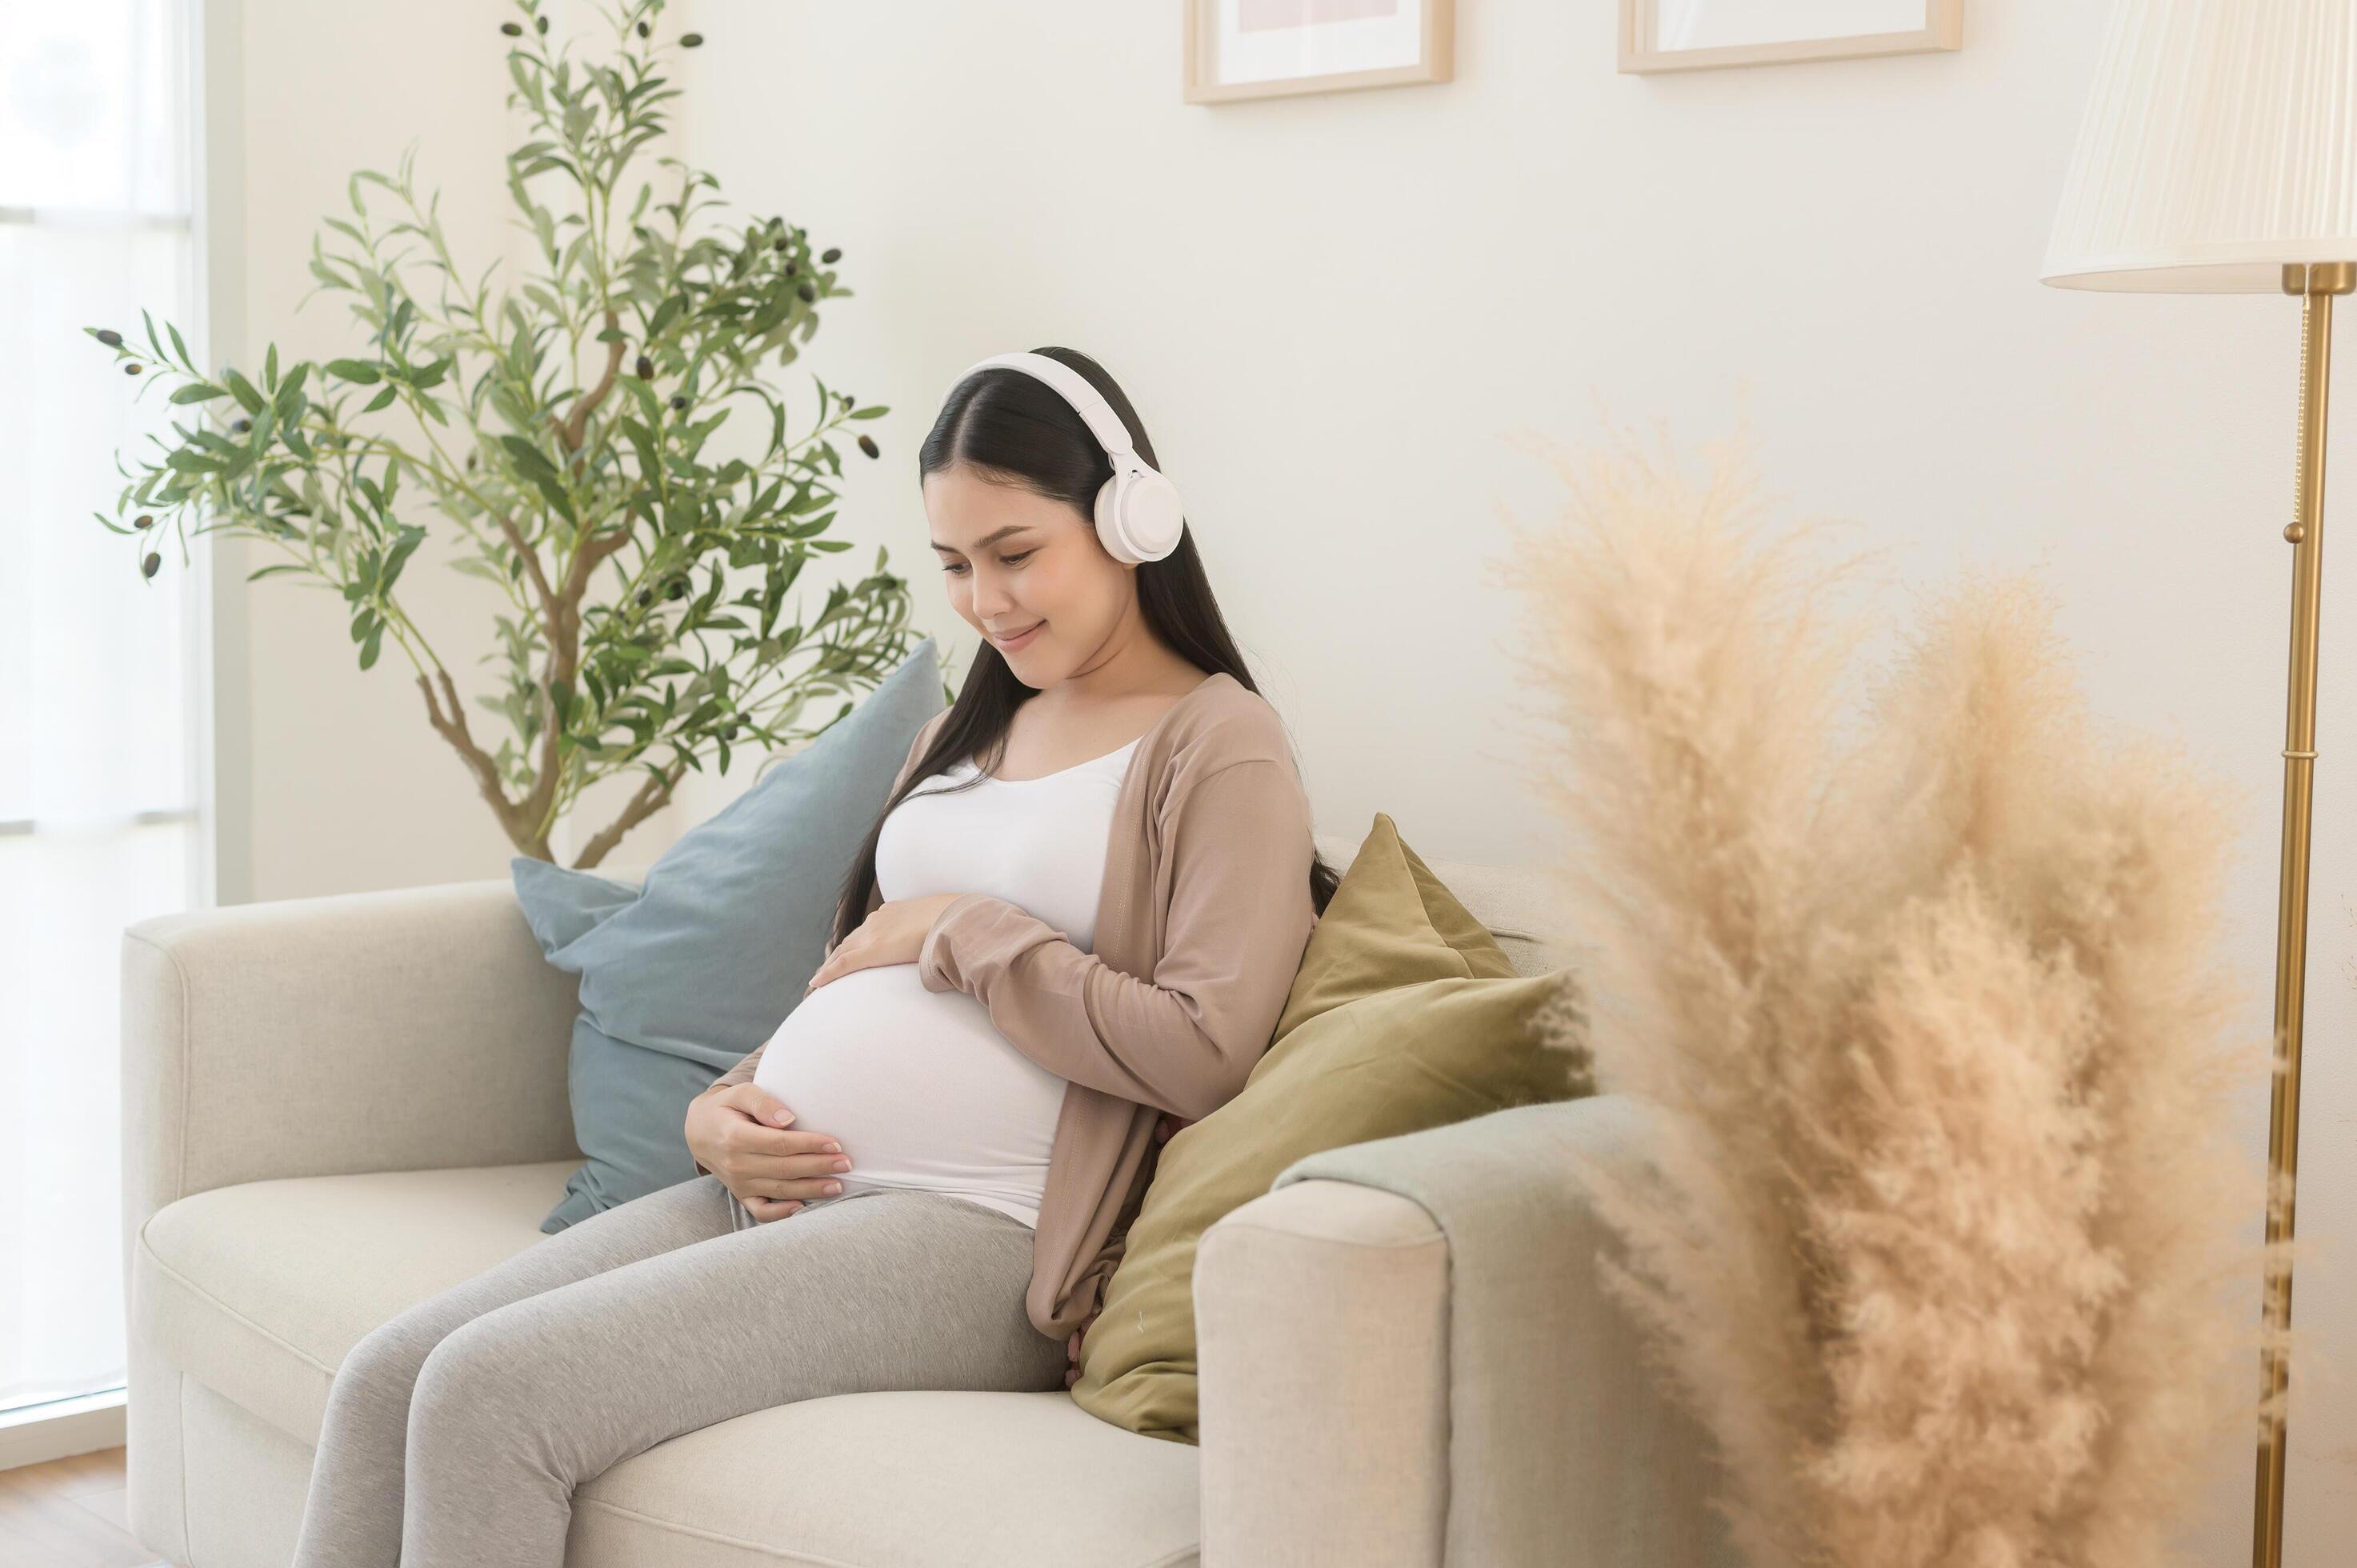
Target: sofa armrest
(1333, 1405)
(409, 1029)
(1321, 1351)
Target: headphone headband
(1138, 514)
(1102, 421)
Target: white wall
(1330, 309)
(349, 789)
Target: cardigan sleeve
(1185, 1040)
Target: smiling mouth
(1013, 635)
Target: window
(105, 728)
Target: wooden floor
(68, 1513)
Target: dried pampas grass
(1942, 1204)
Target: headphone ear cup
(1152, 517)
(1138, 515)
(1109, 522)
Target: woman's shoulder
(1222, 722)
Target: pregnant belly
(916, 1085)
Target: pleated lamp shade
(2219, 142)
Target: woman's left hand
(894, 933)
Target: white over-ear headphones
(1139, 516)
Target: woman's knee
(504, 1386)
(503, 1365)
(388, 1357)
(473, 1361)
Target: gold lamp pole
(2315, 284)
(2214, 157)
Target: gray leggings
(456, 1433)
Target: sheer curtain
(104, 741)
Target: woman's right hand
(741, 1134)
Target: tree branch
(531, 558)
(452, 727)
(562, 607)
(572, 429)
(653, 797)
(564, 658)
(596, 548)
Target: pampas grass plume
(1939, 1221)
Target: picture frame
(1941, 26)
(1268, 48)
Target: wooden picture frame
(1433, 28)
(1944, 28)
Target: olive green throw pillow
(1405, 1015)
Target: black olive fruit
(867, 444)
(470, 462)
(645, 598)
(690, 41)
(678, 589)
(645, 368)
(131, 368)
(540, 23)
(729, 732)
(810, 295)
(145, 520)
(831, 255)
(148, 567)
(779, 244)
(110, 336)
(645, 31)
(241, 425)
(793, 267)
(511, 29)
(678, 404)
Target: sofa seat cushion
(259, 1290)
(900, 1479)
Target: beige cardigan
(1200, 929)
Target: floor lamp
(2218, 154)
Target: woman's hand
(894, 933)
(739, 1134)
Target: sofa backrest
(1514, 902)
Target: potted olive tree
(565, 427)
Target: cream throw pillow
(1405, 1015)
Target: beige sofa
(335, 1107)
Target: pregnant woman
(1072, 928)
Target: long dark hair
(1019, 430)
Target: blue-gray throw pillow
(684, 974)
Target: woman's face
(1016, 563)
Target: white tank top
(919, 1086)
